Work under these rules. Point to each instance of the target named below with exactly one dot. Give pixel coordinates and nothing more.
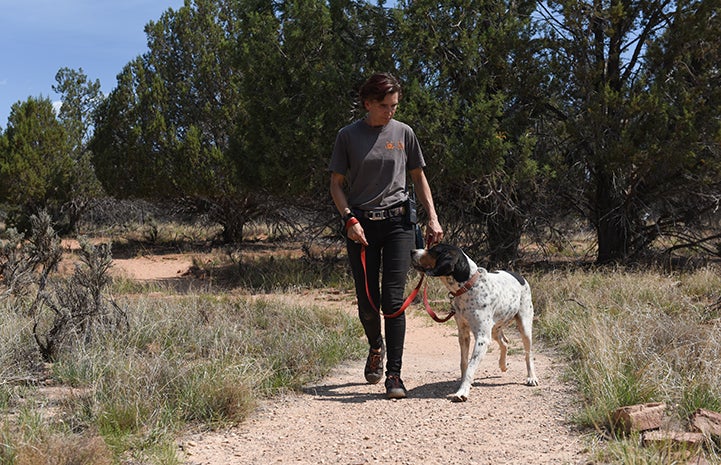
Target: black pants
(388, 259)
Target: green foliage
(635, 117)
(129, 151)
(80, 97)
(44, 163)
(528, 113)
(251, 111)
(165, 130)
(292, 109)
(255, 99)
(468, 66)
(35, 166)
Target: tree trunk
(232, 227)
(504, 237)
(612, 225)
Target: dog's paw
(459, 397)
(531, 382)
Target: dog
(484, 302)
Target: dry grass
(635, 337)
(64, 450)
(185, 359)
(202, 358)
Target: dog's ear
(444, 265)
(462, 270)
(450, 261)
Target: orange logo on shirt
(394, 146)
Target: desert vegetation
(155, 360)
(117, 393)
(530, 114)
(635, 336)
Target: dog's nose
(416, 254)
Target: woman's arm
(434, 232)
(355, 231)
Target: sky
(39, 37)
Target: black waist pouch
(411, 214)
(419, 237)
(411, 217)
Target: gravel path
(343, 420)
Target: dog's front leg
(479, 351)
(464, 341)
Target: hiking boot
(395, 388)
(374, 364)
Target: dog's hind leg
(525, 327)
(500, 338)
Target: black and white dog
(484, 302)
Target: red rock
(681, 438)
(641, 417)
(706, 421)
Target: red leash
(405, 304)
(430, 311)
(408, 300)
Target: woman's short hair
(378, 86)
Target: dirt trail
(343, 420)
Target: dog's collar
(467, 286)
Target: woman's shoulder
(354, 126)
(401, 126)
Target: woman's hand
(356, 233)
(434, 232)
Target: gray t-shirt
(374, 162)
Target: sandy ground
(343, 420)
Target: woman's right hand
(356, 234)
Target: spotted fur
(495, 299)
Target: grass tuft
(63, 450)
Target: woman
(371, 157)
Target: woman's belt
(376, 215)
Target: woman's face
(380, 112)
